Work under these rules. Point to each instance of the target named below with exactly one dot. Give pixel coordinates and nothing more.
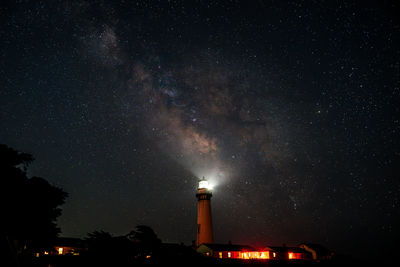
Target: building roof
(228, 247)
(286, 249)
(321, 250)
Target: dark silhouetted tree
(30, 206)
(133, 248)
(99, 242)
(145, 235)
(107, 250)
(146, 241)
(99, 236)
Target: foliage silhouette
(30, 206)
(138, 246)
(145, 237)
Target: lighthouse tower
(204, 222)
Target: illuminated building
(224, 251)
(204, 221)
(231, 251)
(68, 246)
(287, 253)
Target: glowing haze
(192, 112)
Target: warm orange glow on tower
(204, 221)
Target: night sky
(290, 109)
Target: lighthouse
(204, 221)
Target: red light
(255, 255)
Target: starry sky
(289, 108)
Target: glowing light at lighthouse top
(203, 184)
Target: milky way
(290, 109)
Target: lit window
(290, 255)
(60, 251)
(229, 254)
(274, 254)
(220, 255)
